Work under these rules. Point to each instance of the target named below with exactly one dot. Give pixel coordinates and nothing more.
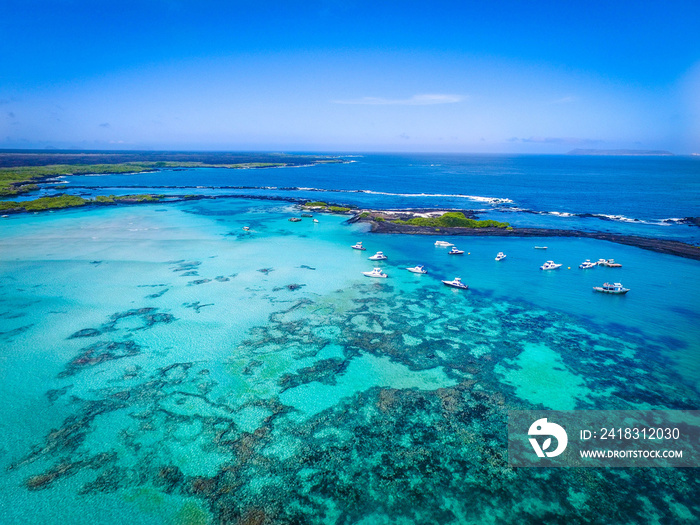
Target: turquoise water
(160, 365)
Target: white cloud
(415, 100)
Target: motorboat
(587, 264)
(614, 288)
(540, 247)
(294, 219)
(610, 263)
(417, 269)
(308, 215)
(377, 272)
(379, 256)
(500, 256)
(246, 228)
(550, 265)
(443, 243)
(315, 220)
(456, 283)
(455, 251)
(359, 246)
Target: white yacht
(377, 272)
(456, 283)
(540, 247)
(443, 243)
(417, 269)
(379, 256)
(610, 263)
(455, 251)
(246, 228)
(615, 288)
(315, 220)
(359, 246)
(587, 264)
(550, 265)
(500, 256)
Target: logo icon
(543, 428)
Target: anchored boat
(550, 265)
(456, 283)
(614, 288)
(377, 272)
(610, 263)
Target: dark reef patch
(290, 287)
(196, 306)
(85, 332)
(157, 294)
(198, 282)
(99, 353)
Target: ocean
(160, 364)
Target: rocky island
(464, 222)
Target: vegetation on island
(21, 179)
(327, 207)
(14, 181)
(74, 201)
(453, 219)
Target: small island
(622, 152)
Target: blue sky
(530, 77)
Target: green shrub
(453, 219)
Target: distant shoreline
(622, 152)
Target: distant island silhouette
(621, 152)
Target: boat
(359, 246)
(456, 283)
(550, 265)
(614, 288)
(587, 264)
(315, 220)
(610, 263)
(306, 215)
(377, 272)
(379, 256)
(443, 243)
(294, 219)
(246, 228)
(455, 251)
(417, 269)
(540, 247)
(500, 256)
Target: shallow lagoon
(159, 364)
